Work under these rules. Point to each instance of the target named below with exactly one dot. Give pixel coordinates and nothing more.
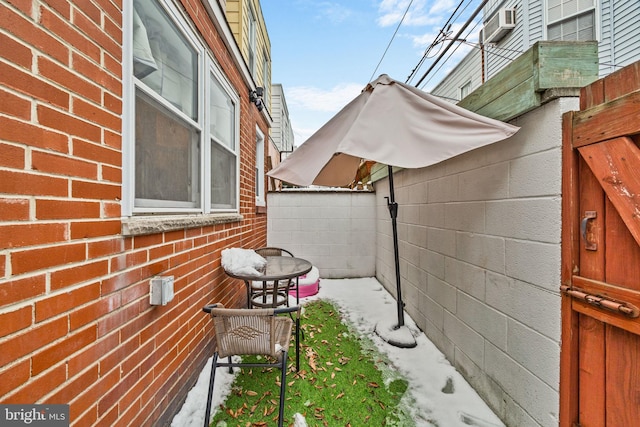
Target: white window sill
(138, 226)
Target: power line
(391, 41)
(441, 37)
(453, 40)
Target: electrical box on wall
(161, 290)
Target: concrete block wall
(334, 229)
(480, 263)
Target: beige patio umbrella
(394, 124)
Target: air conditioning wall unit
(499, 25)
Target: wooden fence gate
(600, 353)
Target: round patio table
(278, 268)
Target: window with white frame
(177, 100)
(253, 24)
(266, 81)
(465, 89)
(571, 20)
(260, 199)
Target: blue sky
(325, 52)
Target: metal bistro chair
(241, 332)
(267, 295)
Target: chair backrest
(272, 251)
(245, 331)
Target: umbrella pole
(398, 334)
(393, 211)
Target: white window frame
(253, 29)
(266, 81)
(207, 67)
(215, 71)
(566, 17)
(261, 200)
(465, 90)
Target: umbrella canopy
(391, 123)
(398, 125)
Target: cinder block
(465, 277)
(526, 219)
(433, 311)
(535, 396)
(488, 183)
(417, 235)
(537, 353)
(443, 189)
(464, 338)
(533, 306)
(441, 241)
(481, 250)
(539, 174)
(485, 320)
(468, 217)
(433, 263)
(432, 215)
(533, 262)
(442, 293)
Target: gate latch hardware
(587, 232)
(624, 308)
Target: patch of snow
(242, 261)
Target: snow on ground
(441, 396)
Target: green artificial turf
(342, 381)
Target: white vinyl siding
(620, 35)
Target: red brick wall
(76, 325)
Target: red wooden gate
(600, 360)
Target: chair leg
(283, 382)
(230, 367)
(212, 377)
(297, 343)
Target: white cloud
(392, 11)
(316, 99)
(311, 107)
(335, 12)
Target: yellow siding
(238, 18)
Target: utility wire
(461, 41)
(455, 38)
(441, 37)
(391, 41)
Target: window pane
(569, 7)
(580, 28)
(166, 157)
(222, 115)
(554, 32)
(223, 177)
(586, 27)
(585, 4)
(162, 57)
(570, 30)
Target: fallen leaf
(339, 396)
(251, 393)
